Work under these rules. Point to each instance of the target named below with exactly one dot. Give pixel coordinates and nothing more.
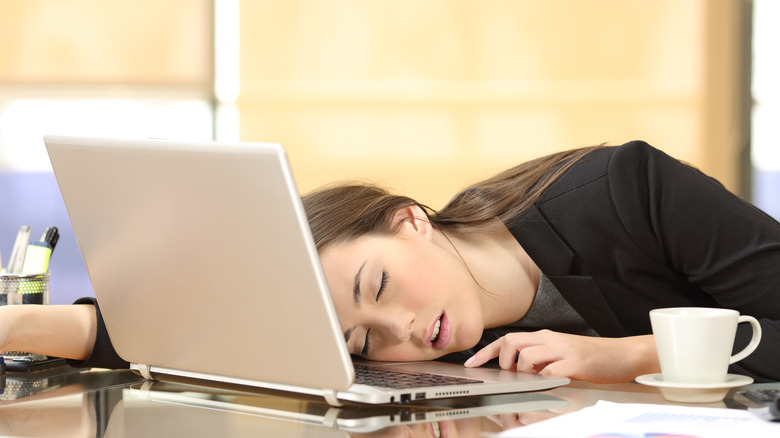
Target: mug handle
(753, 341)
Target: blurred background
(422, 96)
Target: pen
(51, 236)
(20, 246)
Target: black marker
(51, 236)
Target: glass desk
(109, 403)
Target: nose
(398, 322)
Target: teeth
(436, 328)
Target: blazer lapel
(542, 243)
(555, 258)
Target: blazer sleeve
(723, 244)
(103, 354)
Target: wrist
(646, 355)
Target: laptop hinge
(330, 397)
(145, 371)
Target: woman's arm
(593, 359)
(54, 330)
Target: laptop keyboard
(400, 380)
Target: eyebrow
(356, 297)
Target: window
(765, 135)
(137, 68)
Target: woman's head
(402, 293)
(399, 290)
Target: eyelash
(367, 342)
(382, 284)
(366, 345)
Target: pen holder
(24, 289)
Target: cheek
(425, 268)
(418, 284)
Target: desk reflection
(104, 403)
(204, 412)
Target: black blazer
(629, 229)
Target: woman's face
(403, 297)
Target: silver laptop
(204, 266)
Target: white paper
(630, 420)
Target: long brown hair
(342, 212)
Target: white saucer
(694, 392)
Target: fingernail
(469, 361)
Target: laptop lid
(201, 258)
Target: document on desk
(629, 420)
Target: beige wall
(423, 96)
(428, 96)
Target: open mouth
(440, 333)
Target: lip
(445, 331)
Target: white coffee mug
(694, 343)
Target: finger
(538, 358)
(507, 357)
(485, 354)
(562, 368)
(507, 345)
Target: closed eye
(366, 345)
(367, 342)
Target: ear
(413, 221)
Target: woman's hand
(593, 359)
